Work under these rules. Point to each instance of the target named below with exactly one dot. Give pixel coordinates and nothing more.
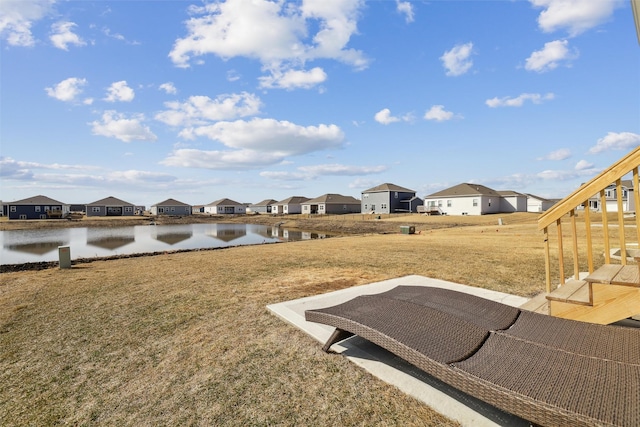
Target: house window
(12, 209)
(383, 206)
(489, 202)
(173, 209)
(23, 216)
(128, 209)
(305, 208)
(365, 207)
(439, 203)
(475, 202)
(37, 208)
(365, 196)
(396, 195)
(448, 203)
(95, 209)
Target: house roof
(110, 201)
(331, 199)
(36, 200)
(171, 202)
(465, 189)
(507, 193)
(388, 187)
(293, 200)
(225, 202)
(542, 199)
(266, 202)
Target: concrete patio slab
(450, 402)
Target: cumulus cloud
(552, 54)
(457, 60)
(384, 117)
(561, 154)
(117, 125)
(405, 8)
(67, 90)
(281, 35)
(293, 79)
(575, 16)
(119, 91)
(535, 98)
(15, 169)
(616, 141)
(17, 17)
(169, 88)
(312, 172)
(255, 143)
(201, 110)
(438, 113)
(583, 165)
(62, 35)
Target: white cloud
(14, 169)
(551, 55)
(17, 17)
(67, 90)
(583, 165)
(456, 61)
(384, 117)
(576, 16)
(281, 35)
(405, 8)
(255, 143)
(616, 141)
(293, 79)
(535, 98)
(201, 110)
(561, 154)
(119, 91)
(438, 113)
(169, 88)
(117, 125)
(62, 35)
(312, 172)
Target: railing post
(587, 225)
(547, 260)
(623, 243)
(636, 203)
(605, 227)
(560, 250)
(574, 239)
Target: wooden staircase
(611, 292)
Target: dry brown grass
(186, 339)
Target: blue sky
(256, 99)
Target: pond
(24, 246)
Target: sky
(255, 99)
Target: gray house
(331, 204)
(388, 198)
(474, 199)
(171, 207)
(110, 206)
(37, 207)
(263, 207)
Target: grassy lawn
(185, 338)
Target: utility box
(407, 229)
(64, 254)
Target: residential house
(110, 206)
(290, 205)
(225, 207)
(263, 207)
(388, 198)
(464, 199)
(611, 198)
(171, 207)
(538, 204)
(37, 207)
(512, 201)
(331, 204)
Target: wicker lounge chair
(547, 370)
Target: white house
(512, 201)
(628, 201)
(538, 204)
(464, 199)
(290, 205)
(225, 206)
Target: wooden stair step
(574, 291)
(628, 275)
(537, 304)
(604, 274)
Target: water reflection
(111, 239)
(21, 246)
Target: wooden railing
(580, 198)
